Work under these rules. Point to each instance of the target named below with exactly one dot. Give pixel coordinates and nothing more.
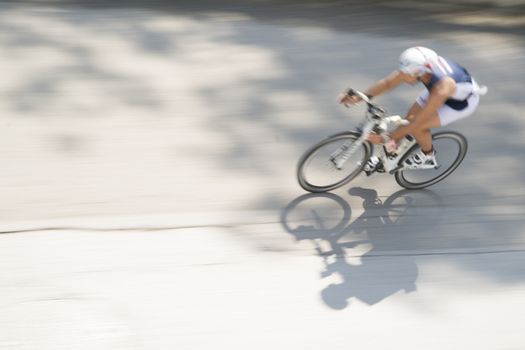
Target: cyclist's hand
(347, 100)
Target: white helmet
(417, 61)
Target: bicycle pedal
(369, 172)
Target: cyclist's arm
(387, 83)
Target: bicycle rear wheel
(316, 170)
(451, 148)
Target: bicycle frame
(391, 163)
(378, 121)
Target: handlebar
(361, 95)
(377, 112)
(372, 107)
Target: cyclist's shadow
(366, 254)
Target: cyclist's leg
(419, 127)
(444, 116)
(414, 109)
(421, 130)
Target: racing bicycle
(338, 159)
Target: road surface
(149, 195)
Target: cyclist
(451, 94)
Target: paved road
(148, 188)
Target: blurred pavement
(149, 193)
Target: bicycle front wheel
(320, 169)
(451, 148)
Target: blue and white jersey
(464, 86)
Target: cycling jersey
(464, 82)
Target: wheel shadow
(372, 256)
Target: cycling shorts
(446, 113)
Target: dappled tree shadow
(260, 79)
(368, 16)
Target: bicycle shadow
(369, 254)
